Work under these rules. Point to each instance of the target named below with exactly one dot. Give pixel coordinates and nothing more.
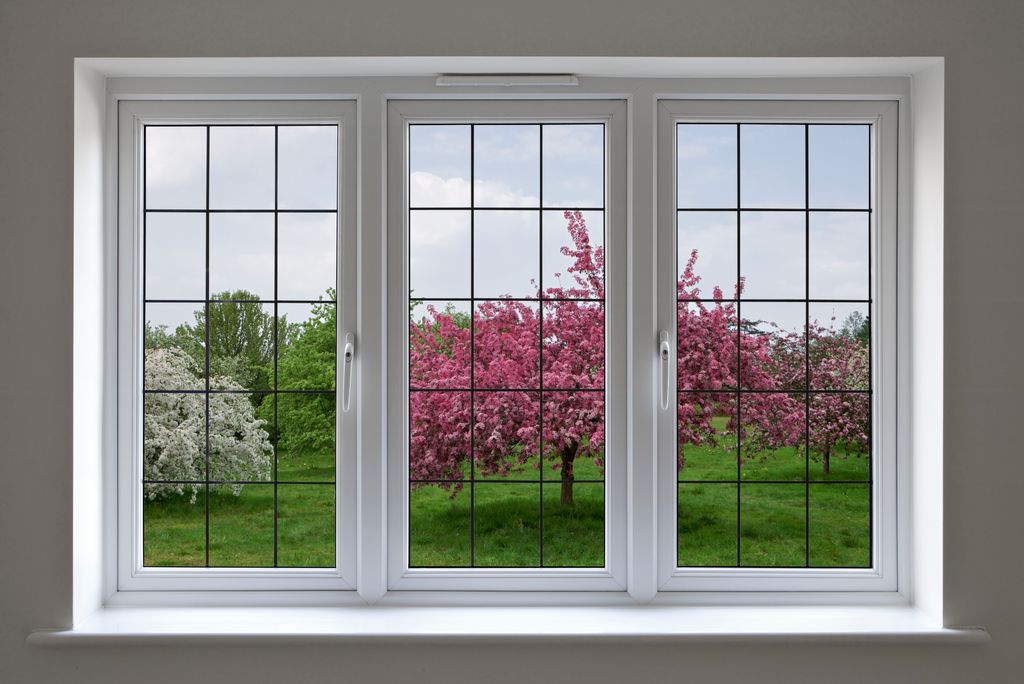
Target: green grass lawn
(788, 464)
(242, 527)
(506, 526)
(773, 518)
(773, 528)
(506, 517)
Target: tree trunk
(824, 459)
(568, 457)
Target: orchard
(513, 345)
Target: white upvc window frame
(402, 113)
(373, 574)
(883, 116)
(133, 116)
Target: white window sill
(234, 624)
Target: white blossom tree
(174, 429)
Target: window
(512, 466)
(235, 215)
(778, 365)
(498, 321)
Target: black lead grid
(207, 482)
(540, 300)
(206, 354)
(808, 392)
(277, 435)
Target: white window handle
(346, 371)
(666, 368)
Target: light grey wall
(984, 474)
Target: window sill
(339, 624)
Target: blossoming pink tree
(838, 420)
(505, 353)
(709, 370)
(507, 426)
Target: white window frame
(612, 113)
(131, 573)
(369, 573)
(883, 117)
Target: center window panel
(506, 351)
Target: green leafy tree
(307, 361)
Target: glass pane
(173, 440)
(306, 428)
(573, 165)
(305, 526)
(706, 338)
(439, 166)
(709, 239)
(240, 446)
(772, 525)
(306, 256)
(574, 526)
(175, 167)
(173, 525)
(231, 431)
(439, 254)
(574, 439)
(707, 525)
(242, 256)
(461, 265)
(307, 167)
(706, 158)
(773, 426)
(241, 346)
(175, 342)
(506, 166)
(773, 350)
(506, 254)
(307, 346)
(242, 167)
(573, 255)
(838, 165)
(706, 436)
(439, 345)
(772, 166)
(439, 444)
(573, 345)
(506, 435)
(507, 345)
(242, 526)
(839, 255)
(840, 439)
(439, 526)
(772, 254)
(506, 525)
(840, 346)
(840, 526)
(175, 256)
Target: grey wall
(984, 48)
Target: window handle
(666, 368)
(346, 371)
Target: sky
(509, 168)
(241, 246)
(773, 245)
(507, 171)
